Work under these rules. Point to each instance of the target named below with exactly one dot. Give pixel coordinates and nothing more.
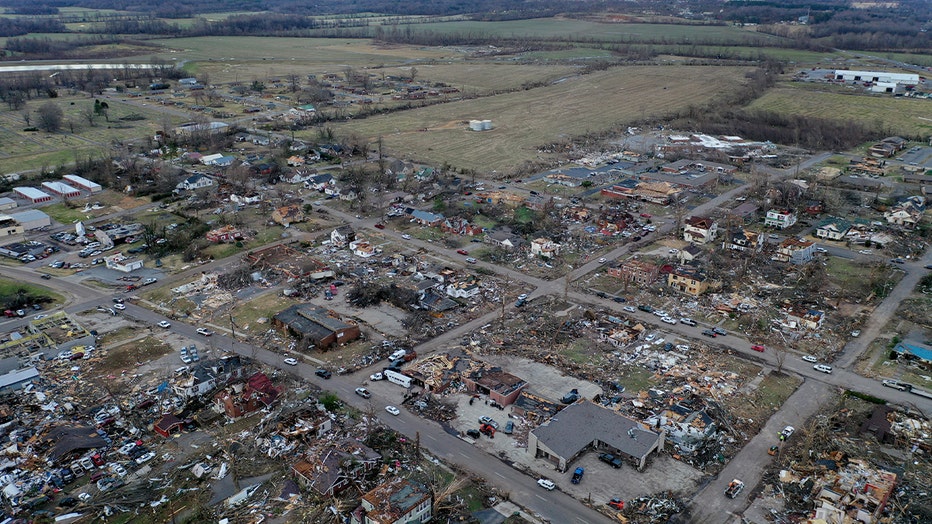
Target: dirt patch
(131, 355)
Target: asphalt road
(709, 505)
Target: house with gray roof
(586, 426)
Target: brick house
(689, 280)
(636, 271)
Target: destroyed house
(686, 429)
(238, 400)
(504, 237)
(795, 251)
(208, 375)
(801, 317)
(224, 235)
(460, 226)
(396, 501)
(342, 235)
(333, 469)
(499, 385)
(699, 230)
(907, 212)
(316, 324)
(289, 262)
(859, 490)
(689, 280)
(914, 350)
(305, 422)
(431, 300)
(533, 408)
(583, 426)
(64, 443)
(637, 271)
(287, 215)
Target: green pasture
(907, 116)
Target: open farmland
(242, 58)
(526, 120)
(905, 116)
(483, 76)
(586, 30)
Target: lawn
(265, 306)
(65, 214)
(10, 288)
(903, 116)
(857, 279)
(526, 121)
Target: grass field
(246, 58)
(586, 30)
(482, 77)
(23, 150)
(902, 115)
(526, 120)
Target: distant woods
(818, 27)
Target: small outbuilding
(32, 219)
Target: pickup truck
(610, 459)
(577, 475)
(646, 308)
(571, 397)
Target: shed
(32, 219)
(167, 425)
(61, 189)
(83, 183)
(32, 194)
(17, 379)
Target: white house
(342, 235)
(194, 182)
(121, 262)
(700, 230)
(462, 289)
(833, 228)
(545, 248)
(362, 248)
(780, 218)
(907, 212)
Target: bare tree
(50, 117)
(27, 117)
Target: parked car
(363, 392)
(611, 460)
(380, 226)
(824, 368)
(787, 432)
(471, 260)
(406, 236)
(291, 361)
(165, 324)
(668, 320)
(142, 459)
(204, 331)
(758, 347)
(119, 307)
(473, 433)
(811, 359)
(375, 377)
(709, 333)
(719, 331)
(321, 372)
(856, 333)
(896, 384)
(509, 427)
(546, 484)
(688, 321)
(393, 410)
(629, 309)
(616, 503)
(578, 475)
(462, 251)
